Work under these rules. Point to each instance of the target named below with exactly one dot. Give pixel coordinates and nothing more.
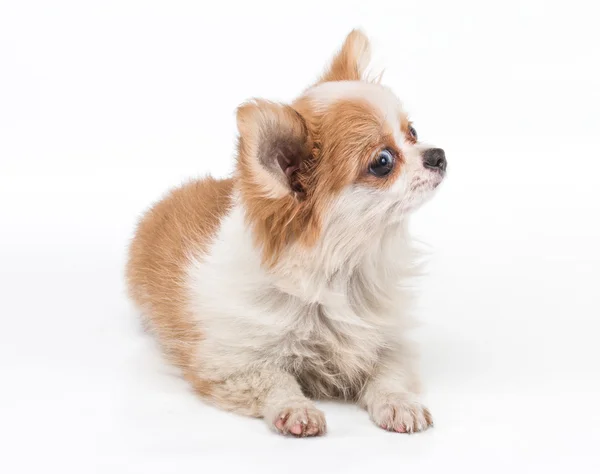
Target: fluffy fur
(288, 281)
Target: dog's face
(345, 151)
(368, 144)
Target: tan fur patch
(348, 135)
(350, 62)
(180, 224)
(276, 207)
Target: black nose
(435, 158)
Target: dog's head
(344, 152)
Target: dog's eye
(383, 164)
(413, 132)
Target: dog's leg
(273, 395)
(391, 396)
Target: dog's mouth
(420, 184)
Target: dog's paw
(300, 419)
(400, 413)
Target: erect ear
(274, 141)
(350, 63)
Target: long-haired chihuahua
(287, 282)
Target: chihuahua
(287, 282)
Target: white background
(105, 105)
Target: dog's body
(287, 281)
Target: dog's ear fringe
(273, 143)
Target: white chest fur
(327, 324)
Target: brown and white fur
(287, 282)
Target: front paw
(300, 419)
(400, 413)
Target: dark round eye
(413, 132)
(383, 164)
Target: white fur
(332, 315)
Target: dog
(287, 282)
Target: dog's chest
(328, 331)
(329, 349)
